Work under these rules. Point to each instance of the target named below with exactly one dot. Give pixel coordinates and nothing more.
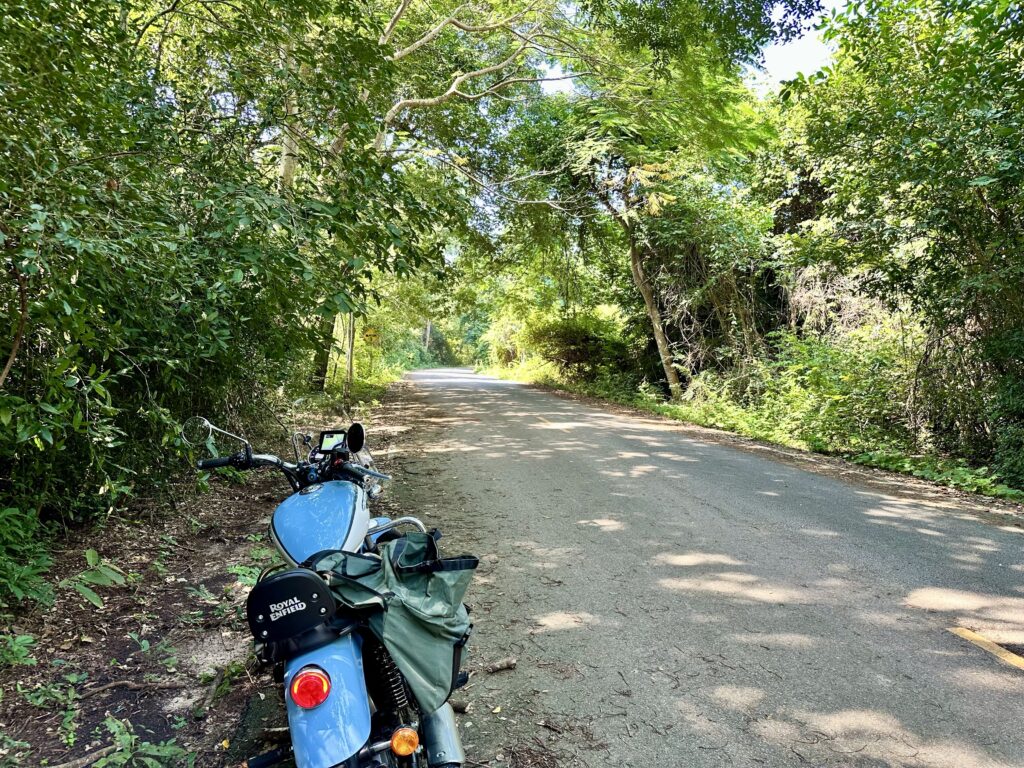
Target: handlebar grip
(220, 461)
(364, 472)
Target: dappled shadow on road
(736, 645)
(766, 654)
(1002, 617)
(927, 518)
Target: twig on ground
(133, 685)
(82, 762)
(507, 663)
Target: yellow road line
(985, 644)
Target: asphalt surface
(674, 599)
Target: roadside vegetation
(845, 277)
(244, 211)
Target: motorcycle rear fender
(330, 734)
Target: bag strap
(332, 577)
(434, 565)
(311, 561)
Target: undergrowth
(796, 421)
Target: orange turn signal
(405, 741)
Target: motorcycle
(347, 702)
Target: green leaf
(89, 595)
(96, 577)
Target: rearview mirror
(356, 437)
(196, 431)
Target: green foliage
(246, 574)
(916, 133)
(133, 752)
(842, 396)
(12, 751)
(23, 557)
(61, 695)
(16, 650)
(158, 265)
(951, 472)
(98, 574)
(709, 248)
(582, 346)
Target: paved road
(676, 600)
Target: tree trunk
(289, 147)
(350, 355)
(322, 358)
(651, 304)
(426, 337)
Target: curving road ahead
(676, 597)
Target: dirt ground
(167, 656)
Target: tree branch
(430, 35)
(165, 12)
(389, 30)
(511, 80)
(20, 333)
(493, 25)
(494, 189)
(454, 21)
(453, 89)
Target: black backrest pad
(287, 604)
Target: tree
(916, 134)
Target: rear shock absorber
(387, 687)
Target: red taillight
(310, 687)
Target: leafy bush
(98, 574)
(953, 472)
(847, 394)
(16, 650)
(133, 752)
(584, 347)
(157, 268)
(23, 557)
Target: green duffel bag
(411, 599)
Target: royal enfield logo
(291, 605)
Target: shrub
(584, 347)
(843, 394)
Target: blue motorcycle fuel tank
(331, 515)
(329, 734)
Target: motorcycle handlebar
(242, 460)
(355, 469)
(217, 463)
